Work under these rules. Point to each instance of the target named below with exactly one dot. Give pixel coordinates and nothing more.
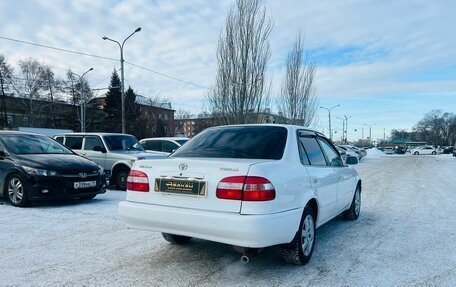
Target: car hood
(61, 163)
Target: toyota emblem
(83, 175)
(183, 166)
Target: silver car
(113, 151)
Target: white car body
(389, 150)
(423, 150)
(329, 190)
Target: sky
(386, 63)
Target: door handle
(315, 180)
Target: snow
(405, 236)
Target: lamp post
(370, 132)
(329, 116)
(346, 128)
(122, 96)
(343, 128)
(81, 100)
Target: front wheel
(434, 153)
(301, 248)
(121, 178)
(416, 153)
(16, 191)
(355, 208)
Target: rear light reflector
(247, 188)
(137, 181)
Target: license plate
(177, 186)
(84, 184)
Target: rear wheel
(353, 212)
(416, 153)
(434, 153)
(121, 178)
(16, 191)
(301, 248)
(176, 239)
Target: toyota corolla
(250, 186)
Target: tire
(434, 153)
(299, 252)
(355, 207)
(121, 178)
(416, 153)
(88, 197)
(176, 239)
(16, 191)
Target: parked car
(348, 151)
(342, 152)
(163, 145)
(250, 186)
(388, 150)
(360, 153)
(423, 150)
(400, 150)
(447, 150)
(114, 152)
(35, 167)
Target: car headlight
(41, 172)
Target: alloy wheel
(15, 190)
(308, 235)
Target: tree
(6, 77)
(53, 86)
(113, 104)
(297, 100)
(29, 86)
(242, 56)
(132, 111)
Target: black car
(35, 167)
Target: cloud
(388, 50)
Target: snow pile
(374, 152)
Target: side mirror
(99, 148)
(352, 160)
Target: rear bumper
(253, 231)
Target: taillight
(137, 181)
(247, 188)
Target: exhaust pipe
(245, 259)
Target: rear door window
(155, 145)
(74, 142)
(313, 151)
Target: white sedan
(250, 186)
(423, 150)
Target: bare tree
(242, 55)
(6, 75)
(297, 101)
(181, 114)
(28, 87)
(53, 86)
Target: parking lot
(405, 235)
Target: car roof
(166, 138)
(287, 126)
(93, 134)
(19, 133)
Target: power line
(105, 58)
(167, 76)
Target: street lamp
(81, 100)
(122, 97)
(343, 128)
(329, 116)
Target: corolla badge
(183, 166)
(83, 175)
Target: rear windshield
(256, 142)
